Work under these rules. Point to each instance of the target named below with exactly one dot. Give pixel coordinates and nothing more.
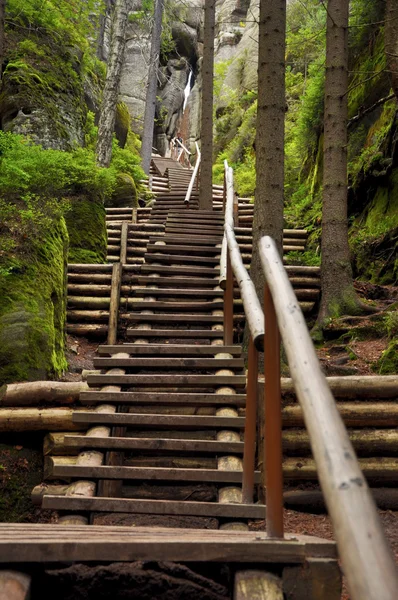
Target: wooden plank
(174, 333)
(114, 303)
(169, 349)
(180, 258)
(174, 281)
(171, 363)
(155, 380)
(175, 292)
(173, 318)
(188, 305)
(153, 444)
(178, 249)
(156, 507)
(163, 398)
(180, 239)
(177, 269)
(159, 421)
(42, 543)
(147, 473)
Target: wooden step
(155, 507)
(182, 270)
(53, 543)
(159, 318)
(159, 421)
(174, 333)
(169, 363)
(147, 473)
(189, 306)
(176, 292)
(180, 249)
(158, 257)
(181, 239)
(155, 380)
(169, 350)
(81, 442)
(163, 398)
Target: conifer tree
(268, 205)
(391, 41)
(2, 16)
(206, 130)
(107, 118)
(150, 101)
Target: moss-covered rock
(32, 310)
(388, 363)
(125, 193)
(87, 230)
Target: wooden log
(373, 442)
(354, 386)
(318, 579)
(38, 419)
(114, 302)
(46, 488)
(354, 414)
(41, 392)
(312, 501)
(14, 585)
(257, 585)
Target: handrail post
(229, 304)
(273, 421)
(236, 210)
(249, 452)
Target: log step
(178, 249)
(171, 293)
(174, 306)
(171, 363)
(145, 473)
(163, 398)
(155, 507)
(180, 259)
(159, 318)
(80, 442)
(155, 380)
(174, 333)
(159, 421)
(169, 350)
(182, 270)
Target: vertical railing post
(273, 421)
(224, 196)
(249, 452)
(236, 210)
(229, 304)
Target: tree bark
(206, 131)
(150, 101)
(338, 294)
(391, 42)
(35, 393)
(2, 40)
(268, 205)
(107, 118)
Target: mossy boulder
(125, 193)
(32, 310)
(388, 362)
(87, 230)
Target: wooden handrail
(367, 561)
(251, 303)
(194, 175)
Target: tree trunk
(391, 42)
(337, 286)
(206, 131)
(2, 44)
(150, 102)
(106, 123)
(268, 206)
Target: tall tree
(338, 293)
(391, 41)
(2, 17)
(206, 130)
(268, 205)
(107, 118)
(150, 101)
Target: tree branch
(370, 109)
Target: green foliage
(308, 258)
(388, 362)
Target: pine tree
(150, 102)
(2, 44)
(206, 130)
(107, 118)
(391, 41)
(338, 293)
(268, 205)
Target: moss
(388, 363)
(122, 123)
(32, 310)
(87, 230)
